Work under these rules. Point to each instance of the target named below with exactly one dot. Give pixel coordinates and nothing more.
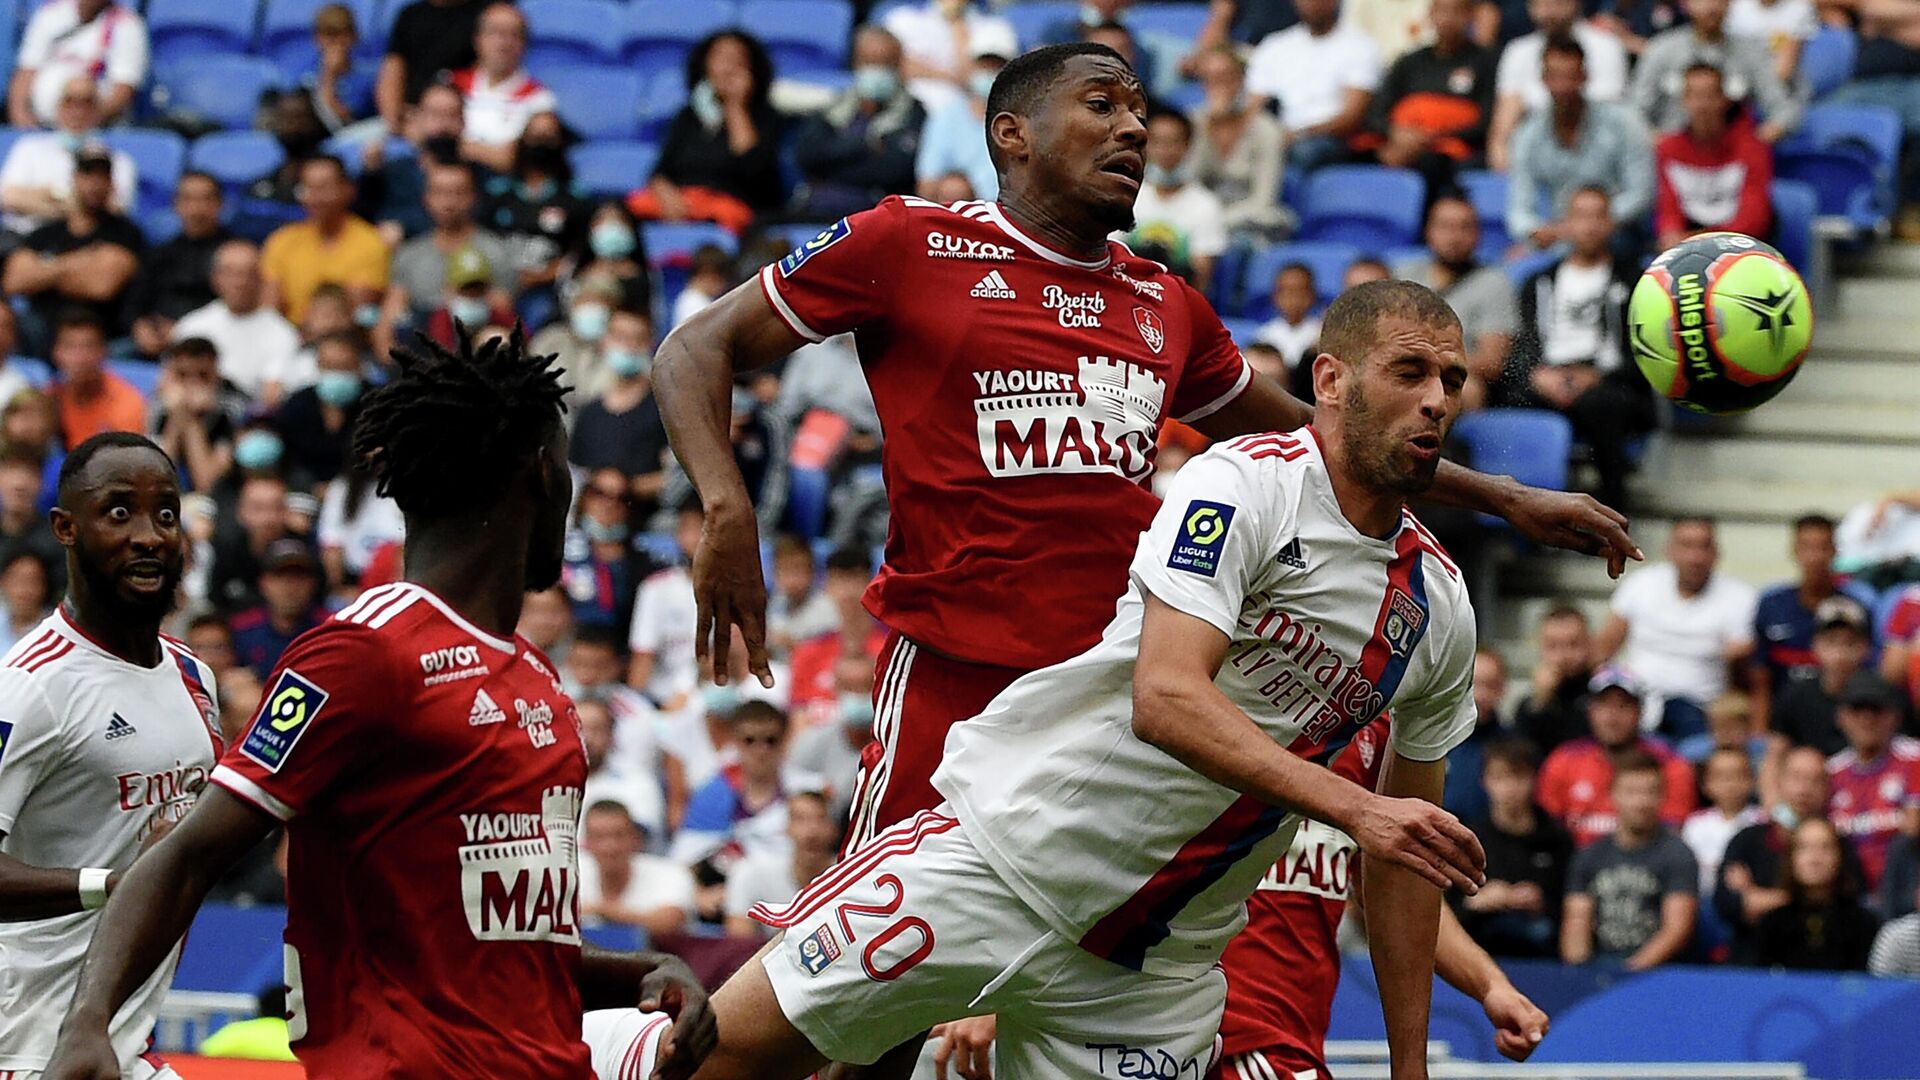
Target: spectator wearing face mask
(598, 565)
(393, 185)
(621, 428)
(315, 423)
(613, 249)
(536, 205)
(861, 148)
(1176, 220)
(423, 268)
(580, 338)
(953, 140)
(826, 754)
(472, 300)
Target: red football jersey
(1283, 968)
(430, 777)
(1022, 393)
(1869, 800)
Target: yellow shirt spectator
(298, 259)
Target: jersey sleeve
(126, 59)
(1216, 373)
(31, 742)
(1208, 544)
(644, 632)
(842, 278)
(1428, 726)
(321, 714)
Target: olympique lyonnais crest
(1152, 331)
(1404, 620)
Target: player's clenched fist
(84, 1059)
(1421, 837)
(672, 989)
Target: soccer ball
(1720, 323)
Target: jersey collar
(503, 644)
(999, 218)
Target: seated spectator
(340, 88)
(954, 140)
(621, 428)
(1322, 73)
(1576, 782)
(1713, 175)
(1785, 25)
(1876, 779)
(1753, 865)
(1575, 141)
(1729, 727)
(1900, 877)
(1396, 26)
(290, 592)
(177, 276)
(620, 883)
(393, 186)
(294, 121)
(1806, 713)
(720, 160)
(1231, 22)
(1784, 621)
(1727, 781)
(580, 339)
(421, 272)
(709, 277)
(935, 36)
(331, 246)
(1464, 796)
(1238, 149)
(599, 566)
(1681, 627)
(546, 620)
(1896, 949)
(86, 258)
(30, 430)
(861, 148)
(429, 40)
(1822, 926)
(471, 303)
(356, 522)
(256, 344)
(536, 206)
(211, 639)
(1517, 911)
(594, 666)
(761, 439)
(1177, 221)
(1886, 73)
(1633, 22)
(26, 593)
(776, 877)
(1633, 894)
(1481, 295)
(1570, 352)
(104, 42)
(23, 526)
(1432, 110)
(609, 779)
(36, 180)
(1294, 331)
(1749, 77)
(195, 413)
(1900, 646)
(501, 96)
(316, 422)
(1520, 84)
(797, 609)
(90, 398)
(12, 380)
(743, 809)
(661, 635)
(260, 517)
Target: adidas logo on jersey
(118, 728)
(485, 711)
(1292, 554)
(993, 287)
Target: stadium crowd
(1714, 773)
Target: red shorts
(1273, 1063)
(917, 697)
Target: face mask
(720, 700)
(366, 316)
(1786, 817)
(471, 311)
(611, 240)
(602, 533)
(589, 321)
(1091, 16)
(627, 363)
(337, 388)
(442, 148)
(545, 156)
(856, 710)
(705, 104)
(303, 143)
(1161, 176)
(875, 83)
(981, 84)
(257, 450)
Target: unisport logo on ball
(1720, 323)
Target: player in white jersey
(1107, 817)
(107, 734)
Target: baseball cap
(1839, 610)
(1867, 688)
(993, 39)
(1615, 677)
(92, 155)
(468, 267)
(286, 554)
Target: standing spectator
(421, 266)
(100, 40)
(862, 147)
(1726, 778)
(1576, 782)
(1807, 712)
(393, 186)
(1238, 149)
(580, 339)
(36, 180)
(1876, 779)
(1747, 71)
(536, 206)
(621, 428)
(599, 565)
(1177, 221)
(953, 140)
(1752, 867)
(1632, 895)
(1784, 620)
(1822, 926)
(290, 606)
(1433, 108)
(1464, 796)
(720, 161)
(257, 345)
(429, 39)
(743, 809)
(661, 637)
(86, 258)
(90, 398)
(1554, 711)
(500, 95)
(1713, 174)
(1570, 353)
(1294, 331)
(776, 877)
(1575, 142)
(177, 277)
(356, 523)
(1517, 911)
(194, 413)
(1681, 627)
(1323, 74)
(1481, 295)
(340, 88)
(331, 246)
(316, 422)
(937, 37)
(620, 883)
(26, 594)
(1785, 25)
(1520, 83)
(608, 777)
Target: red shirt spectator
(1712, 174)
(1576, 779)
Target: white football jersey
(1120, 846)
(93, 751)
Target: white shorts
(625, 1042)
(143, 1069)
(916, 929)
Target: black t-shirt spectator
(432, 39)
(551, 223)
(1561, 718)
(1428, 91)
(1804, 713)
(176, 277)
(310, 447)
(1825, 937)
(1629, 887)
(698, 156)
(58, 239)
(632, 441)
(1540, 858)
(1762, 849)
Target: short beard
(1114, 217)
(1370, 452)
(105, 590)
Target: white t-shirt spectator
(1309, 76)
(929, 39)
(1190, 222)
(56, 48)
(638, 792)
(1519, 71)
(44, 159)
(663, 618)
(377, 523)
(1708, 834)
(255, 349)
(498, 112)
(1776, 23)
(765, 877)
(655, 882)
(1293, 341)
(1576, 331)
(1678, 645)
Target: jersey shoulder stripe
(365, 599)
(28, 647)
(46, 652)
(1429, 544)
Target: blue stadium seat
(1327, 259)
(143, 374)
(1850, 154)
(801, 34)
(665, 96)
(38, 373)
(158, 156)
(9, 136)
(1243, 330)
(286, 32)
(573, 32)
(1031, 21)
(236, 158)
(161, 225)
(223, 89)
(658, 33)
(598, 102)
(10, 24)
(1530, 445)
(612, 169)
(1369, 205)
(187, 29)
(670, 242)
(1794, 207)
(808, 493)
(1827, 60)
(1181, 21)
(1487, 191)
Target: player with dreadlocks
(428, 769)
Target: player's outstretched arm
(656, 982)
(693, 382)
(147, 914)
(1404, 927)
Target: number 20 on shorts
(847, 911)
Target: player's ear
(65, 529)
(1010, 136)
(1329, 377)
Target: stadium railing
(1368, 1051)
(187, 1017)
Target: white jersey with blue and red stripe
(1117, 844)
(94, 753)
